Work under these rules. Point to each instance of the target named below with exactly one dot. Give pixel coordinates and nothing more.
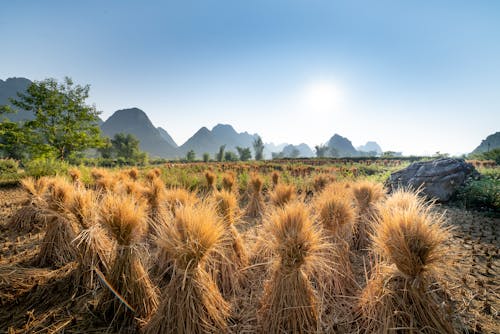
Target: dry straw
(227, 265)
(289, 303)
(402, 292)
(211, 179)
(367, 194)
(256, 204)
(56, 248)
(177, 198)
(30, 216)
(282, 195)
(93, 245)
(191, 302)
(130, 292)
(229, 182)
(275, 177)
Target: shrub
(46, 167)
(8, 166)
(482, 194)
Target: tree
(244, 153)
(206, 157)
(12, 140)
(220, 155)
(258, 147)
(63, 123)
(230, 156)
(190, 155)
(106, 149)
(126, 147)
(321, 150)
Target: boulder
(438, 179)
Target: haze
(415, 76)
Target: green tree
(12, 140)
(230, 156)
(206, 157)
(245, 153)
(106, 149)
(220, 155)
(258, 147)
(191, 155)
(63, 123)
(321, 150)
(126, 146)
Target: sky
(414, 76)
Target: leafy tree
(220, 155)
(321, 150)
(12, 140)
(63, 123)
(190, 155)
(206, 157)
(258, 147)
(244, 153)
(126, 147)
(230, 156)
(106, 149)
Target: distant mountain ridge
(491, 142)
(158, 142)
(209, 141)
(136, 122)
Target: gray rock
(438, 179)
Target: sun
(321, 97)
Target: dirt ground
(36, 300)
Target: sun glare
(322, 97)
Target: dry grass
(289, 303)
(211, 179)
(191, 302)
(255, 206)
(177, 198)
(227, 265)
(402, 292)
(282, 195)
(229, 182)
(367, 194)
(275, 178)
(129, 292)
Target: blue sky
(415, 76)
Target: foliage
(206, 157)
(63, 123)
(481, 194)
(123, 149)
(220, 154)
(8, 166)
(46, 167)
(230, 156)
(490, 155)
(321, 150)
(191, 155)
(258, 147)
(12, 140)
(244, 153)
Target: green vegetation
(62, 125)
(481, 194)
(258, 147)
(493, 155)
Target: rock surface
(439, 178)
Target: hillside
(341, 146)
(491, 142)
(209, 141)
(370, 146)
(136, 122)
(9, 89)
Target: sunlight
(321, 97)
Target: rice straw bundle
(30, 216)
(191, 302)
(256, 204)
(367, 194)
(402, 293)
(282, 195)
(130, 292)
(289, 303)
(227, 265)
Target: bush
(8, 166)
(46, 167)
(481, 194)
